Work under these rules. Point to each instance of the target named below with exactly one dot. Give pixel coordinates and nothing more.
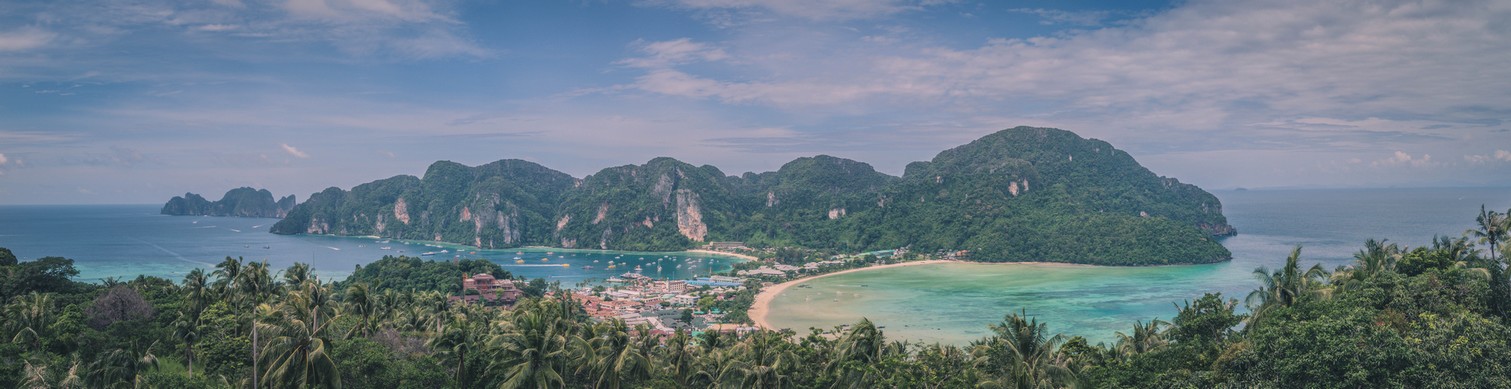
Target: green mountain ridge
(1021, 194)
(240, 202)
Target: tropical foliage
(1398, 316)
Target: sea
(125, 241)
(956, 303)
(950, 303)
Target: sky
(136, 101)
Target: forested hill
(243, 202)
(1021, 194)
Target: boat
(637, 268)
(566, 265)
(519, 261)
(611, 265)
(588, 267)
(428, 253)
(445, 251)
(385, 248)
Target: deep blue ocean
(127, 240)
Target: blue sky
(133, 102)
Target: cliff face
(506, 203)
(1019, 194)
(241, 202)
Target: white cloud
(217, 27)
(293, 151)
(24, 39)
(807, 9)
(1401, 158)
(674, 52)
(1481, 159)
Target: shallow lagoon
(954, 303)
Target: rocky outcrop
(690, 216)
(239, 202)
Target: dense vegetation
(1433, 316)
(1021, 194)
(243, 202)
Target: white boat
(385, 248)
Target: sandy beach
(721, 253)
(762, 304)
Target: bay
(955, 303)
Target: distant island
(241, 202)
(1021, 194)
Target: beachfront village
(715, 303)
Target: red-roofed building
(489, 289)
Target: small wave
(203, 227)
(174, 254)
(234, 230)
(530, 265)
(333, 248)
(256, 226)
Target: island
(241, 202)
(1020, 194)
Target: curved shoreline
(723, 254)
(762, 305)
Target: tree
(533, 347)
(1021, 354)
(122, 368)
(7, 258)
(616, 360)
(298, 353)
(362, 303)
(119, 303)
(1491, 228)
(32, 318)
(1145, 338)
(227, 273)
(1286, 286)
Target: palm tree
(186, 329)
(616, 359)
(764, 360)
(298, 352)
(1491, 229)
(857, 353)
(459, 339)
(254, 286)
(1285, 286)
(680, 355)
(1022, 354)
(296, 275)
(40, 377)
(359, 300)
(227, 273)
(122, 368)
(1145, 338)
(534, 347)
(31, 318)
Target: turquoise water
(124, 241)
(954, 303)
